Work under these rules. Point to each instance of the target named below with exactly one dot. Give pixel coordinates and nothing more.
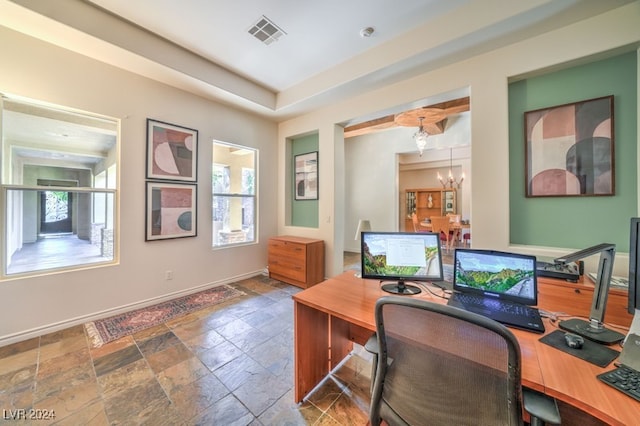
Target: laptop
(499, 285)
(626, 377)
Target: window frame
(110, 168)
(234, 195)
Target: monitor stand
(589, 331)
(401, 288)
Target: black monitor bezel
(400, 278)
(634, 266)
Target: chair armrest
(541, 407)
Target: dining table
(455, 225)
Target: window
(233, 182)
(57, 188)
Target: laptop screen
(502, 275)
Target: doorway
(56, 208)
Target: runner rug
(112, 328)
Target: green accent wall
(582, 221)
(304, 212)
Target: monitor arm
(595, 329)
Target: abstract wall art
(570, 149)
(306, 176)
(171, 152)
(170, 210)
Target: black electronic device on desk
(570, 271)
(594, 329)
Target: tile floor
(229, 364)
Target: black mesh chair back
(439, 365)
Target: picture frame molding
(149, 211)
(302, 173)
(151, 165)
(533, 117)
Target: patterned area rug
(112, 328)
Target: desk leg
(341, 344)
(311, 348)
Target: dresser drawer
(296, 260)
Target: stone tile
(219, 355)
(182, 320)
(76, 376)
(158, 343)
(135, 404)
(228, 411)
(191, 329)
(182, 374)
(326, 394)
(346, 412)
(234, 329)
(203, 342)
(168, 357)
(17, 378)
(258, 318)
(19, 347)
(65, 346)
(67, 333)
(51, 366)
(150, 332)
(18, 361)
(286, 412)
(93, 415)
(261, 391)
(116, 360)
(113, 346)
(129, 375)
(197, 396)
(19, 397)
(200, 376)
(71, 400)
(238, 371)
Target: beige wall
(37, 70)
(486, 76)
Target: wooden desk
(332, 315)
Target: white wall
(375, 181)
(32, 306)
(487, 77)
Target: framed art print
(570, 149)
(170, 210)
(171, 152)
(306, 176)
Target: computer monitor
(399, 257)
(634, 266)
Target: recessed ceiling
(204, 46)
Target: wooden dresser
(296, 260)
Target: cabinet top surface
(294, 239)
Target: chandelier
(450, 180)
(421, 137)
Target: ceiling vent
(266, 31)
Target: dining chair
(442, 225)
(455, 220)
(416, 224)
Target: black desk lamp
(594, 328)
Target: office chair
(440, 365)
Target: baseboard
(61, 325)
